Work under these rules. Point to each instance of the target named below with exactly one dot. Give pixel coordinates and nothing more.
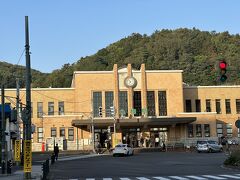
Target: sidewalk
(37, 169)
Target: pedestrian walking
(56, 151)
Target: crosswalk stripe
(231, 176)
(161, 178)
(178, 177)
(90, 179)
(125, 179)
(142, 178)
(196, 177)
(213, 177)
(107, 178)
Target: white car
(123, 149)
(208, 146)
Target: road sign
(27, 156)
(17, 150)
(237, 123)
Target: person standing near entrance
(157, 141)
(56, 151)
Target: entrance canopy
(134, 122)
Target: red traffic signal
(223, 70)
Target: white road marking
(231, 176)
(161, 178)
(213, 177)
(142, 178)
(196, 177)
(107, 178)
(178, 177)
(125, 179)
(90, 179)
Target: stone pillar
(116, 90)
(130, 90)
(143, 88)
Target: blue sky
(63, 31)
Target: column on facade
(143, 89)
(130, 90)
(116, 90)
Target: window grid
(219, 130)
(62, 132)
(61, 108)
(198, 105)
(70, 134)
(39, 109)
(53, 132)
(218, 106)
(162, 103)
(208, 105)
(151, 103)
(207, 130)
(198, 130)
(108, 102)
(190, 130)
(238, 106)
(137, 103)
(97, 102)
(50, 108)
(40, 134)
(229, 130)
(228, 106)
(123, 103)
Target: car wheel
(132, 153)
(221, 150)
(114, 155)
(199, 151)
(210, 150)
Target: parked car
(208, 146)
(123, 149)
(232, 141)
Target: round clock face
(130, 82)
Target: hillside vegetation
(195, 52)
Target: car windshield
(120, 145)
(202, 142)
(212, 142)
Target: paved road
(146, 165)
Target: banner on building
(27, 156)
(17, 151)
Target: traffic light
(112, 110)
(223, 70)
(100, 111)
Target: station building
(144, 108)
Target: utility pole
(28, 145)
(3, 144)
(18, 114)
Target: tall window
(61, 108)
(218, 106)
(228, 106)
(190, 130)
(219, 130)
(40, 134)
(108, 102)
(198, 105)
(62, 132)
(188, 105)
(137, 103)
(53, 132)
(238, 106)
(151, 103)
(39, 109)
(162, 103)
(97, 102)
(208, 105)
(198, 130)
(238, 132)
(50, 108)
(229, 130)
(207, 130)
(123, 103)
(70, 134)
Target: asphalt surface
(143, 164)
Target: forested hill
(195, 52)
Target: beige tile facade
(174, 125)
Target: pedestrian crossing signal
(100, 111)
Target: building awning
(134, 122)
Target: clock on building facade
(130, 82)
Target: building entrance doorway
(101, 135)
(131, 136)
(158, 137)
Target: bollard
(9, 167)
(44, 171)
(3, 167)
